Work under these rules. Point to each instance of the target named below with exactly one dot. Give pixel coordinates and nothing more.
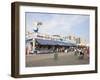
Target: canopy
(53, 42)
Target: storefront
(43, 46)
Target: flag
(39, 23)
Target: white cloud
(59, 24)
(54, 23)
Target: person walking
(81, 55)
(56, 54)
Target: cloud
(55, 23)
(59, 24)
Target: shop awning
(46, 42)
(52, 42)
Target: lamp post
(36, 26)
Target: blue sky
(59, 24)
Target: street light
(36, 26)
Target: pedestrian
(81, 55)
(88, 52)
(56, 54)
(75, 51)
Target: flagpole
(36, 25)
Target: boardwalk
(48, 60)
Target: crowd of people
(79, 51)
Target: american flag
(39, 23)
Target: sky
(59, 24)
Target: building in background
(45, 43)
